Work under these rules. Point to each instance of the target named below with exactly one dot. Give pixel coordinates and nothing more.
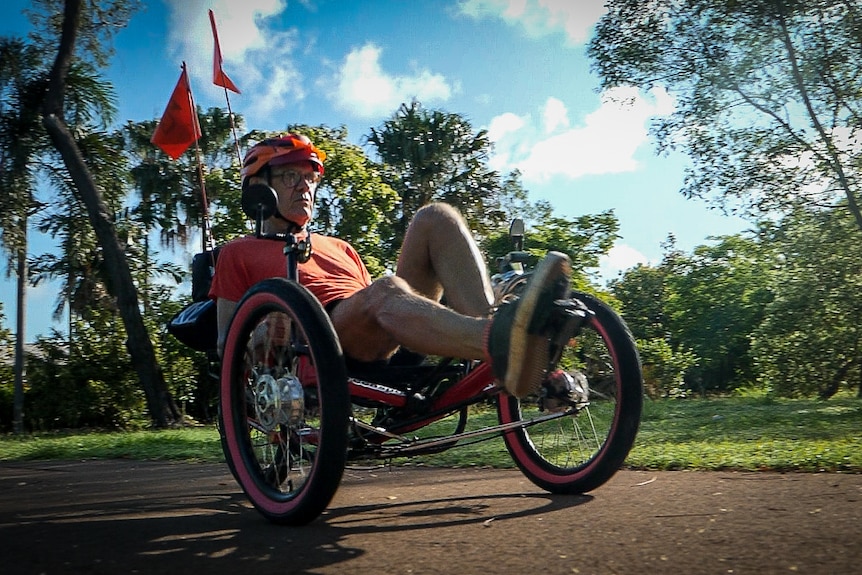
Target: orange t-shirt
(334, 272)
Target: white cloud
(257, 57)
(505, 124)
(364, 89)
(241, 28)
(500, 126)
(555, 115)
(605, 143)
(541, 17)
(620, 258)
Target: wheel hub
(278, 401)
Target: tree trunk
(163, 410)
(833, 386)
(20, 336)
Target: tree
(810, 339)
(87, 20)
(716, 299)
(81, 265)
(432, 155)
(768, 94)
(644, 294)
(353, 201)
(22, 83)
(169, 194)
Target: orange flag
(178, 129)
(219, 77)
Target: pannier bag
(196, 324)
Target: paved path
(124, 517)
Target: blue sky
(515, 67)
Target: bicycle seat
(402, 370)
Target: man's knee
(433, 217)
(385, 291)
(363, 320)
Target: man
(374, 318)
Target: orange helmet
(284, 149)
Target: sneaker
(518, 342)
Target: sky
(517, 68)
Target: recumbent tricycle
(293, 414)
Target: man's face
(295, 185)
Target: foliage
(664, 368)
(716, 300)
(768, 94)
(22, 81)
(7, 389)
(100, 21)
(353, 201)
(644, 297)
(705, 306)
(168, 193)
(191, 377)
(86, 282)
(433, 155)
(810, 340)
(90, 384)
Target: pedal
(566, 318)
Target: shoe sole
(528, 353)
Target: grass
(742, 433)
(189, 444)
(751, 434)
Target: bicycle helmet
(280, 150)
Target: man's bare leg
(440, 255)
(373, 322)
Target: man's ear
(263, 176)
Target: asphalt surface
(155, 517)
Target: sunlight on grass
(190, 444)
(741, 433)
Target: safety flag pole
(221, 79)
(176, 131)
(207, 240)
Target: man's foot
(518, 341)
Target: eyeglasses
(292, 178)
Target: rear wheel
(576, 447)
(284, 402)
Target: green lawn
(729, 433)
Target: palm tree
(22, 82)
(170, 197)
(87, 23)
(436, 156)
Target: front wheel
(575, 448)
(284, 402)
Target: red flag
(219, 77)
(178, 129)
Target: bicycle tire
(578, 453)
(288, 454)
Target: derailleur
(562, 391)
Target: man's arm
(224, 309)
